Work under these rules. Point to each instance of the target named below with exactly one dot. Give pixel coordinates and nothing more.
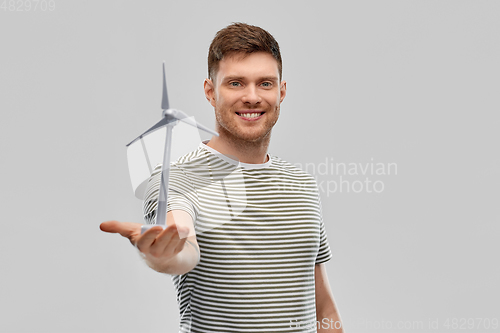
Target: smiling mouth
(250, 115)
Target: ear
(282, 91)
(208, 86)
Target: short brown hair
(241, 37)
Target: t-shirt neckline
(228, 159)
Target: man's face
(246, 95)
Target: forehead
(248, 65)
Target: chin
(253, 137)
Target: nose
(251, 95)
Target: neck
(241, 150)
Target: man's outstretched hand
(163, 249)
(157, 242)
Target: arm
(173, 250)
(327, 314)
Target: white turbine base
(146, 227)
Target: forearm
(327, 314)
(181, 263)
(329, 322)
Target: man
(245, 242)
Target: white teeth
(250, 115)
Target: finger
(130, 230)
(166, 242)
(110, 226)
(123, 228)
(183, 231)
(180, 246)
(145, 241)
(177, 241)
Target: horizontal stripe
(260, 233)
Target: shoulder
(293, 175)
(289, 168)
(192, 158)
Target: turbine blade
(178, 114)
(164, 98)
(198, 125)
(156, 126)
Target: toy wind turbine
(170, 118)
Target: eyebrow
(264, 78)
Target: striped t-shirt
(260, 232)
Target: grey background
(408, 82)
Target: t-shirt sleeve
(181, 194)
(324, 252)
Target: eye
(266, 84)
(234, 84)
